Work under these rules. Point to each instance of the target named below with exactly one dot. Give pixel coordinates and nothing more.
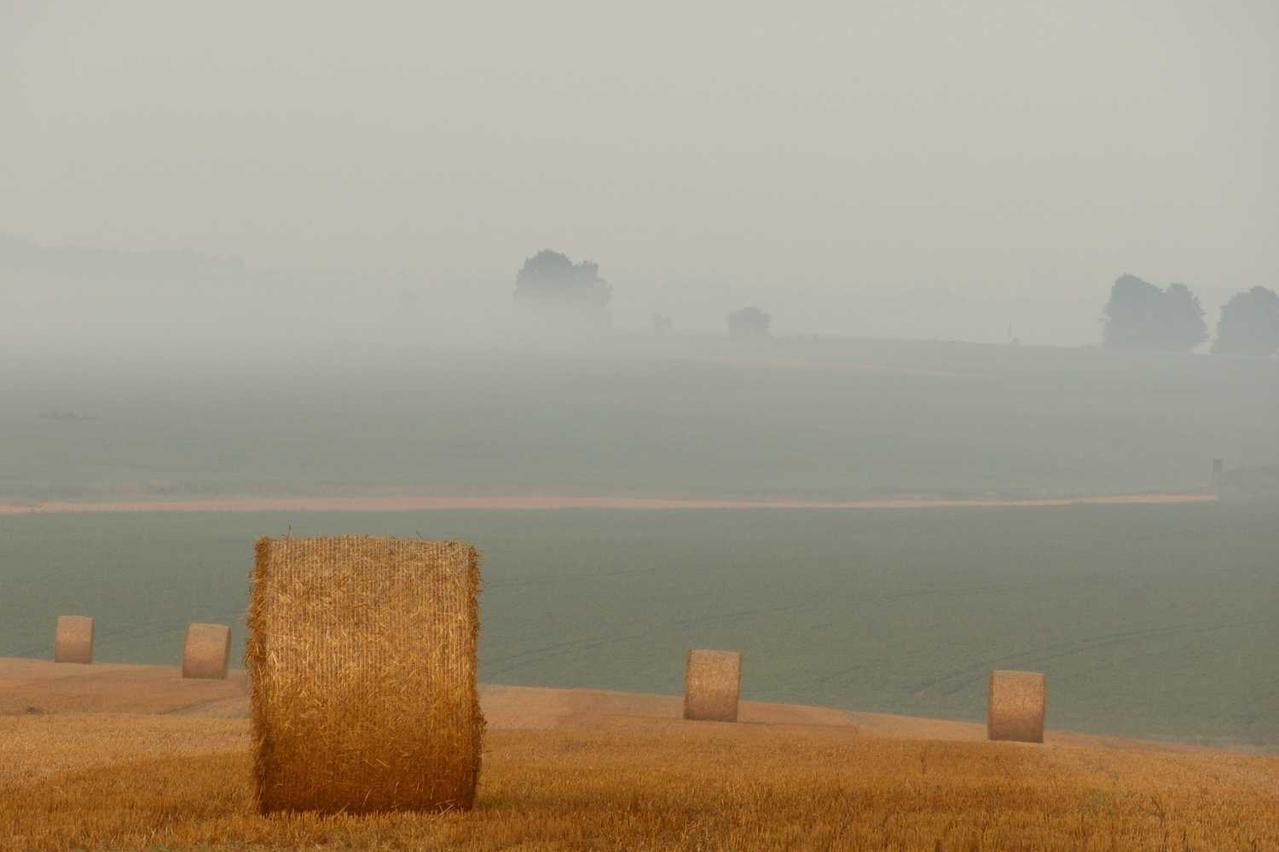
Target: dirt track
(409, 503)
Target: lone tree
(1140, 315)
(748, 324)
(549, 279)
(1249, 324)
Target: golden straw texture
(361, 658)
(206, 651)
(73, 639)
(712, 681)
(1015, 706)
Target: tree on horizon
(552, 278)
(1249, 324)
(748, 324)
(1141, 315)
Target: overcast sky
(979, 144)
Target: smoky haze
(863, 338)
(946, 170)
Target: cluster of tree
(748, 324)
(554, 285)
(1249, 324)
(550, 279)
(1141, 315)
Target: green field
(1155, 621)
(1149, 620)
(797, 419)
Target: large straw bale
(712, 682)
(73, 639)
(1015, 706)
(361, 655)
(206, 651)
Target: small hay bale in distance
(362, 672)
(712, 684)
(206, 651)
(73, 639)
(1015, 706)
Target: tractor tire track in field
(953, 681)
(503, 665)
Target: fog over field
(999, 257)
(815, 420)
(916, 169)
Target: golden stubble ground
(116, 781)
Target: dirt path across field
(408, 503)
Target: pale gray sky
(998, 145)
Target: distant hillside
(18, 255)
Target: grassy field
(802, 419)
(1150, 621)
(118, 782)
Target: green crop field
(806, 420)
(1154, 621)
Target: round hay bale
(73, 639)
(712, 684)
(1016, 702)
(206, 651)
(361, 657)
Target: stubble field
(565, 771)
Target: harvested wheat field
(587, 769)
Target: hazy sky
(961, 144)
